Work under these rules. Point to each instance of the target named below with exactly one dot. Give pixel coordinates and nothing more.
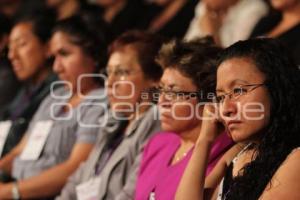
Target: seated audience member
(64, 129)
(187, 81)
(168, 17)
(227, 21)
(31, 62)
(258, 94)
(121, 15)
(64, 8)
(9, 7)
(283, 25)
(111, 169)
(9, 84)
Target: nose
(228, 108)
(163, 101)
(12, 53)
(57, 65)
(111, 79)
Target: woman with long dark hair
(258, 94)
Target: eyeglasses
(176, 95)
(237, 92)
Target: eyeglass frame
(120, 72)
(187, 95)
(231, 94)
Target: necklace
(181, 156)
(178, 158)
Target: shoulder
(163, 138)
(58, 95)
(285, 182)
(161, 141)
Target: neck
(67, 9)
(87, 86)
(189, 137)
(40, 76)
(112, 10)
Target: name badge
(89, 190)
(152, 196)
(4, 130)
(36, 140)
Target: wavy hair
(282, 134)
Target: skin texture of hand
(211, 125)
(6, 191)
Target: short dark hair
(196, 59)
(5, 25)
(42, 22)
(89, 32)
(146, 45)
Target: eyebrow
(171, 86)
(15, 40)
(236, 81)
(20, 37)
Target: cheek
(32, 57)
(73, 68)
(255, 117)
(183, 111)
(124, 90)
(181, 117)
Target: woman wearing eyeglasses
(258, 94)
(110, 171)
(187, 82)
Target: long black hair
(282, 134)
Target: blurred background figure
(283, 23)
(227, 21)
(9, 84)
(121, 15)
(168, 17)
(9, 7)
(65, 8)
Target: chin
(237, 136)
(166, 127)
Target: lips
(232, 123)
(16, 66)
(165, 114)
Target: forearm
(7, 161)
(48, 183)
(192, 183)
(51, 181)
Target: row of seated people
(105, 138)
(226, 21)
